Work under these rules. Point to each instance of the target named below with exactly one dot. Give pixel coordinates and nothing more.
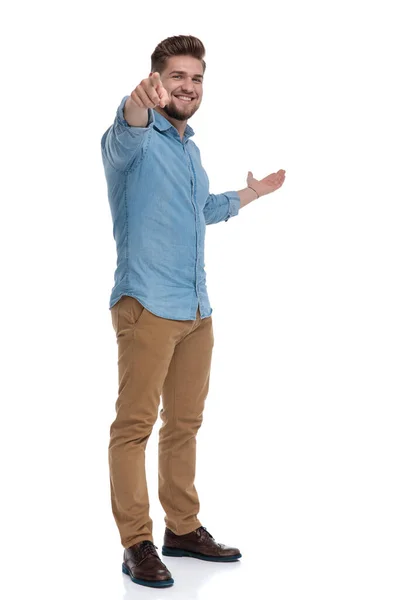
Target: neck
(179, 125)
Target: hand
(150, 92)
(268, 184)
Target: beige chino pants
(165, 358)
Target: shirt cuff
(234, 204)
(121, 119)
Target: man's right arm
(122, 142)
(135, 115)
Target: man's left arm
(221, 207)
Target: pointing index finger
(155, 79)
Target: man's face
(182, 77)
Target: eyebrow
(184, 73)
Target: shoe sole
(177, 552)
(156, 584)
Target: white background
(298, 455)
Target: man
(160, 204)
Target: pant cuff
(136, 540)
(184, 529)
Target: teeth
(186, 98)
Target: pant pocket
(130, 311)
(114, 316)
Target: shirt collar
(162, 124)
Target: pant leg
(145, 347)
(183, 395)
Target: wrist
(254, 190)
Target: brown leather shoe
(198, 544)
(143, 565)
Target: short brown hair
(177, 45)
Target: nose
(188, 86)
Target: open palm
(268, 184)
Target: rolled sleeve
(221, 207)
(122, 142)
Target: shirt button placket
(192, 186)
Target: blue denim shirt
(160, 203)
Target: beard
(180, 115)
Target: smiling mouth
(185, 99)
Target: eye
(195, 79)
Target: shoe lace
(144, 549)
(203, 529)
